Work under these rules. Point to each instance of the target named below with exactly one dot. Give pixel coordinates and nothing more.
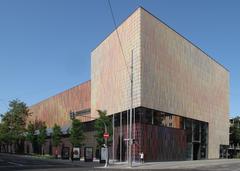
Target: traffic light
(72, 115)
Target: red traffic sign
(106, 135)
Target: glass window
(188, 127)
(196, 131)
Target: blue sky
(45, 45)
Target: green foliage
(36, 139)
(76, 133)
(41, 138)
(31, 132)
(100, 128)
(235, 131)
(14, 123)
(4, 134)
(56, 135)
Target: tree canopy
(100, 128)
(76, 133)
(56, 135)
(13, 126)
(31, 132)
(42, 134)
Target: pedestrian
(141, 157)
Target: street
(9, 162)
(20, 162)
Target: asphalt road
(9, 162)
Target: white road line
(17, 164)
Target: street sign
(106, 135)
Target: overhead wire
(118, 36)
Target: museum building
(180, 95)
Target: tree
(235, 131)
(100, 128)
(31, 133)
(3, 136)
(56, 135)
(15, 120)
(42, 136)
(76, 133)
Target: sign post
(106, 136)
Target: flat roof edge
(185, 38)
(168, 27)
(85, 82)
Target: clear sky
(45, 45)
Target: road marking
(18, 164)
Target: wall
(110, 88)
(177, 77)
(56, 109)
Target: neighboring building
(180, 94)
(233, 150)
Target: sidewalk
(172, 164)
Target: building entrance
(197, 135)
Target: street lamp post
(72, 117)
(130, 141)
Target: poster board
(76, 153)
(88, 154)
(65, 153)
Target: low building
(180, 94)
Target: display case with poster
(76, 153)
(88, 154)
(65, 153)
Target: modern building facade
(180, 94)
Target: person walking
(141, 157)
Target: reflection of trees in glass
(158, 118)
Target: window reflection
(196, 131)
(153, 117)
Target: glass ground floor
(161, 136)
